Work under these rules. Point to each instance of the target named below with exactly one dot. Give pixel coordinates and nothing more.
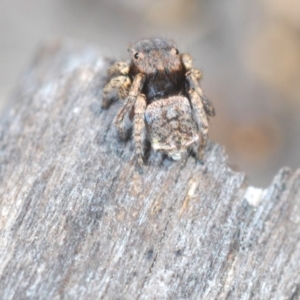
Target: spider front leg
(139, 127)
(195, 75)
(118, 68)
(193, 82)
(119, 79)
(129, 103)
(199, 114)
(188, 64)
(122, 83)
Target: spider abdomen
(171, 126)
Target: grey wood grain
(79, 222)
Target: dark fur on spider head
(160, 61)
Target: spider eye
(136, 55)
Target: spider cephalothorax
(163, 99)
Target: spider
(163, 101)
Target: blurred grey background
(249, 52)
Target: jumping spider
(163, 101)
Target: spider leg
(187, 61)
(200, 115)
(129, 103)
(118, 68)
(122, 83)
(201, 120)
(139, 127)
(188, 64)
(193, 84)
(193, 76)
(208, 106)
(118, 79)
(197, 73)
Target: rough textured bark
(79, 222)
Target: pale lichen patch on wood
(253, 195)
(192, 186)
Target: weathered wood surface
(78, 222)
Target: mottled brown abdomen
(171, 126)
